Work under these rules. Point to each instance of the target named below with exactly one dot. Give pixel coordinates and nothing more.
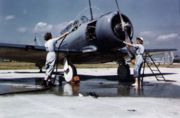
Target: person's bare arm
(63, 35)
(129, 44)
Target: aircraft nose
(110, 32)
(119, 27)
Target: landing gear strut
(40, 67)
(69, 71)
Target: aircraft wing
(159, 50)
(34, 54)
(155, 54)
(21, 52)
(37, 54)
(151, 51)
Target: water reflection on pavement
(88, 87)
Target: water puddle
(92, 86)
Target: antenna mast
(91, 13)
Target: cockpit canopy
(73, 25)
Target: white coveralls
(51, 55)
(139, 59)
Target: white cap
(141, 38)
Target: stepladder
(153, 67)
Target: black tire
(74, 69)
(123, 72)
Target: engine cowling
(109, 32)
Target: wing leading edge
(35, 54)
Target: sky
(157, 21)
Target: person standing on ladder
(139, 59)
(50, 46)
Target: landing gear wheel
(69, 71)
(123, 73)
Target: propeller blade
(120, 16)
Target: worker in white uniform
(139, 59)
(50, 45)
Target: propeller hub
(119, 31)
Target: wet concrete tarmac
(100, 85)
(98, 95)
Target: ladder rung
(155, 70)
(160, 77)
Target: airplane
(89, 42)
